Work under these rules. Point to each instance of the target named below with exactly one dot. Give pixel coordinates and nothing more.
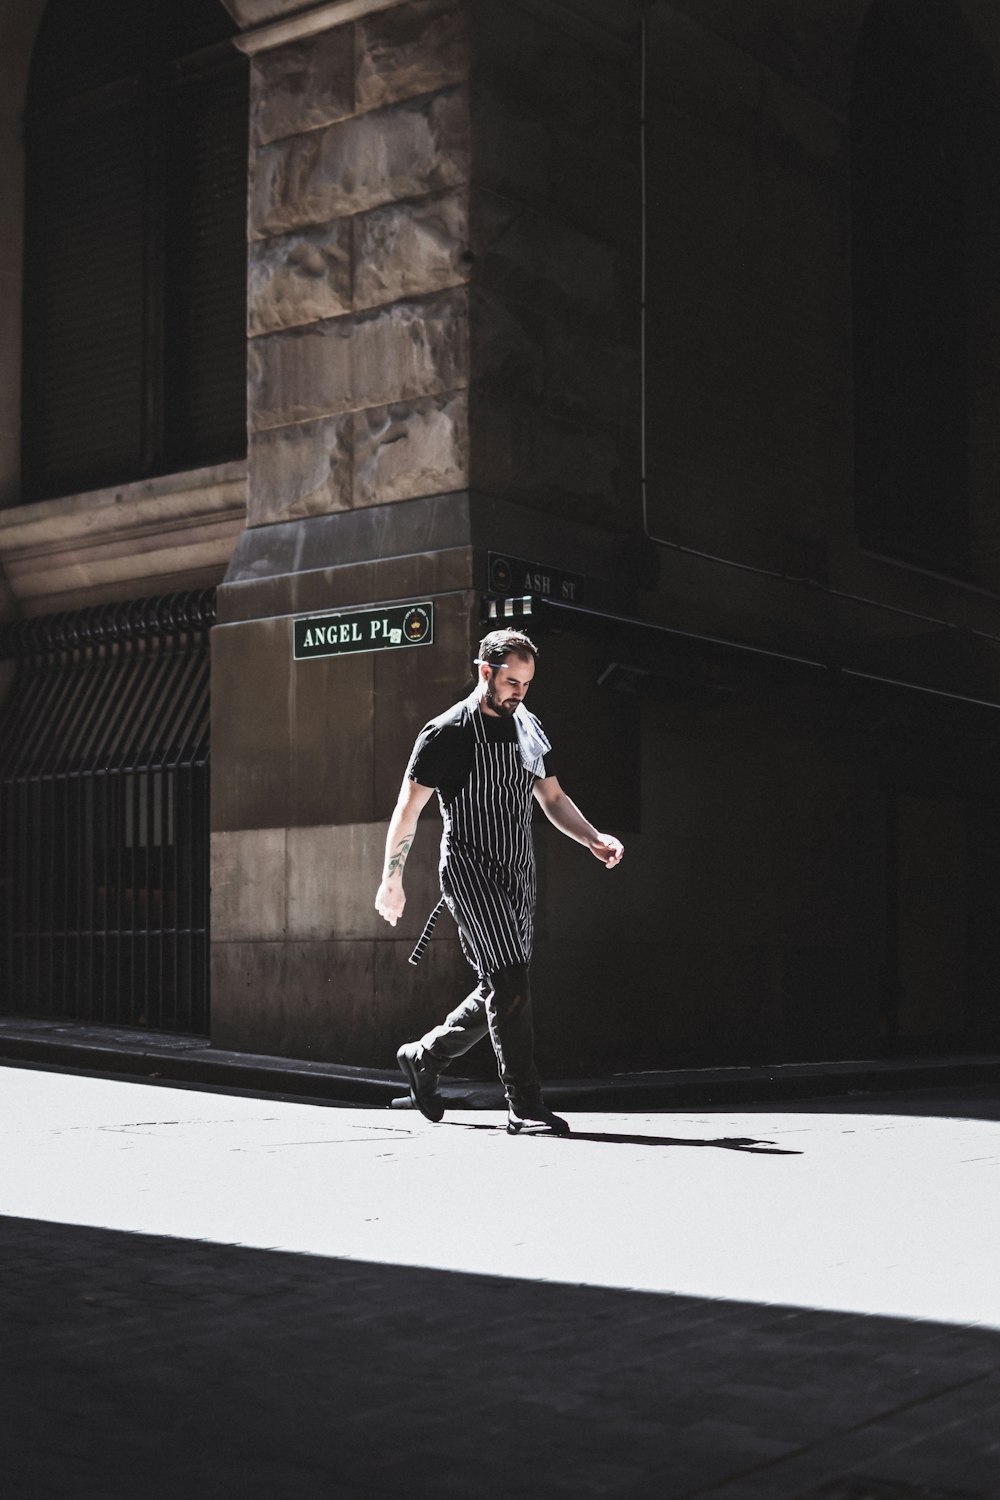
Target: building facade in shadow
(670, 329)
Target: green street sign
(385, 627)
(516, 575)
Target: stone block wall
(444, 215)
(358, 301)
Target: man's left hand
(608, 850)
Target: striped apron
(488, 860)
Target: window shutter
(205, 276)
(84, 274)
(191, 25)
(83, 45)
(135, 244)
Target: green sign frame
(378, 627)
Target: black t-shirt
(443, 753)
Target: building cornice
(308, 23)
(615, 20)
(175, 531)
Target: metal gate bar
(104, 744)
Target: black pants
(500, 1005)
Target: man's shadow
(614, 1138)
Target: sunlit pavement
(874, 1213)
(764, 1232)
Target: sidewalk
(192, 1060)
(228, 1297)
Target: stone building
(670, 328)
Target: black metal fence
(104, 884)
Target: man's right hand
(390, 900)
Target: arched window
(135, 243)
(924, 238)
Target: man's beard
(508, 709)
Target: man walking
(486, 757)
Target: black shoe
(534, 1118)
(422, 1081)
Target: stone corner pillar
(442, 361)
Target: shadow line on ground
(617, 1138)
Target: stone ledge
(118, 507)
(122, 541)
(274, 23)
(276, 28)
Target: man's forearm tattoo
(398, 859)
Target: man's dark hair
(499, 644)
